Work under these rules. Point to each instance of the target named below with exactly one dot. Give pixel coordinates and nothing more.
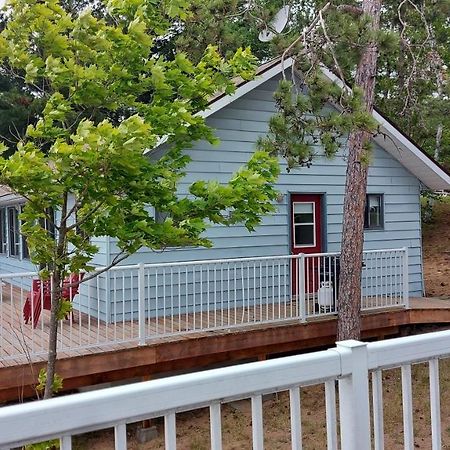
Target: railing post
(141, 303)
(405, 277)
(354, 409)
(301, 286)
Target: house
(308, 217)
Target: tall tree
(349, 303)
(107, 99)
(349, 39)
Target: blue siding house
(308, 218)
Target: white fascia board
(11, 199)
(417, 162)
(220, 103)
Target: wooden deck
(98, 362)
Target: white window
(374, 213)
(12, 243)
(3, 232)
(13, 230)
(304, 224)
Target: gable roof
(390, 138)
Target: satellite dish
(277, 25)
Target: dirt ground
(436, 252)
(193, 427)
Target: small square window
(374, 212)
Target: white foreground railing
(137, 303)
(351, 364)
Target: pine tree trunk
(349, 300)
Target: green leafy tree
(108, 99)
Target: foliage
(304, 121)
(414, 44)
(47, 445)
(83, 66)
(108, 99)
(428, 201)
(42, 379)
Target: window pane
(2, 230)
(374, 217)
(304, 235)
(374, 201)
(13, 231)
(303, 208)
(303, 218)
(303, 213)
(25, 251)
(373, 214)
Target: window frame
(13, 227)
(3, 232)
(6, 232)
(313, 223)
(367, 225)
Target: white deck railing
(354, 365)
(138, 303)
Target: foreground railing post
(301, 286)
(141, 303)
(354, 407)
(405, 278)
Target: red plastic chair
(40, 297)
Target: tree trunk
(57, 276)
(349, 299)
(53, 335)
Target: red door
(306, 237)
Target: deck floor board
(80, 336)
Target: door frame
(323, 217)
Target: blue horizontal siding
(238, 126)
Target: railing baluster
(120, 437)
(235, 295)
(301, 286)
(187, 299)
(164, 300)
(228, 304)
(435, 404)
(65, 443)
(141, 303)
(170, 432)
(97, 280)
(215, 295)
(405, 278)
(279, 290)
(260, 292)
(296, 418)
(156, 302)
(267, 290)
(124, 310)
(2, 336)
(331, 417)
(193, 296)
(208, 297)
(378, 421)
(257, 423)
(215, 426)
(408, 429)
